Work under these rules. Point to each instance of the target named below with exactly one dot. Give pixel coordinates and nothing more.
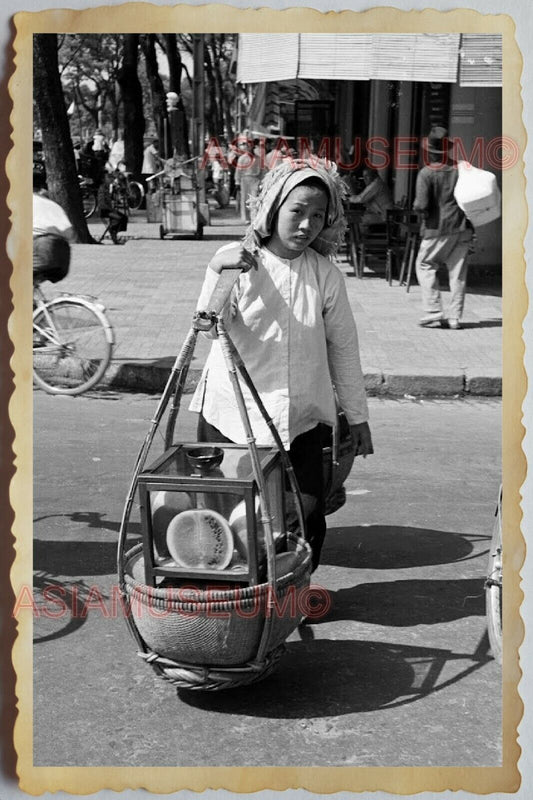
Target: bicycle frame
(41, 305)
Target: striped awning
(480, 61)
(430, 57)
(334, 56)
(426, 57)
(266, 57)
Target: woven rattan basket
(219, 630)
(204, 640)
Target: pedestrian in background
(248, 175)
(152, 161)
(116, 154)
(292, 324)
(446, 233)
(376, 197)
(96, 152)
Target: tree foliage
(219, 52)
(89, 67)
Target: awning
(266, 57)
(426, 57)
(480, 62)
(430, 57)
(334, 56)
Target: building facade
(371, 98)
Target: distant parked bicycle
(135, 193)
(72, 342)
(135, 190)
(494, 585)
(89, 195)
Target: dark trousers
(306, 458)
(51, 257)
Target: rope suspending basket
(218, 581)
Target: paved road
(150, 288)
(398, 673)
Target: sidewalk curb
(151, 377)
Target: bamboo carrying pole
(175, 384)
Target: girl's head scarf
(274, 190)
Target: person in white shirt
(152, 161)
(289, 318)
(52, 235)
(248, 174)
(116, 154)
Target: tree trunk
(157, 90)
(175, 67)
(213, 113)
(62, 176)
(131, 91)
(225, 102)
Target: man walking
(446, 233)
(152, 161)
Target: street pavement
(150, 287)
(398, 673)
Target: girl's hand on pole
(362, 439)
(233, 257)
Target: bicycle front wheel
(72, 345)
(494, 589)
(135, 195)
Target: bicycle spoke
(80, 347)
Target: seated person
(376, 197)
(113, 203)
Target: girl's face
(299, 220)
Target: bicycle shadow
(81, 558)
(60, 605)
(331, 678)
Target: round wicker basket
(209, 639)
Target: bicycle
(494, 586)
(134, 189)
(135, 194)
(72, 342)
(89, 196)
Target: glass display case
(201, 513)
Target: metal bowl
(204, 459)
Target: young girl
(290, 320)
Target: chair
(411, 228)
(383, 242)
(353, 237)
(373, 245)
(395, 241)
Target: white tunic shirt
(293, 327)
(49, 218)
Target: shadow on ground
(79, 558)
(406, 603)
(483, 323)
(323, 678)
(396, 547)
